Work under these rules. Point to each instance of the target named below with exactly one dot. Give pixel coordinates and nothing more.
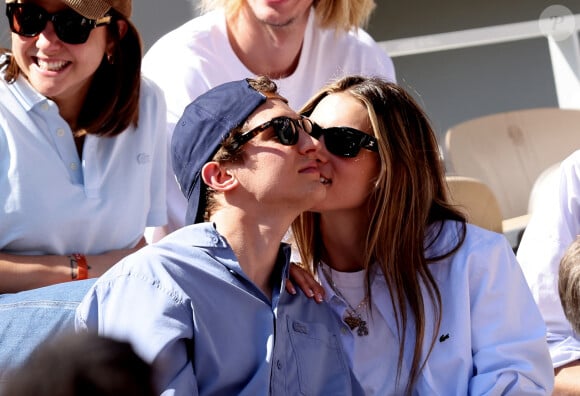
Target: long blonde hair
(331, 14)
(408, 207)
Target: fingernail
(319, 297)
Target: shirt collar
(205, 235)
(25, 94)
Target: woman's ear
(218, 177)
(122, 27)
(109, 52)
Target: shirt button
(344, 330)
(279, 364)
(60, 132)
(73, 166)
(44, 106)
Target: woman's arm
(20, 272)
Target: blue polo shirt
(55, 202)
(188, 308)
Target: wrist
(79, 268)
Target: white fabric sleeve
(550, 231)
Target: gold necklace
(353, 318)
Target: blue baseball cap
(200, 132)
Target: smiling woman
(77, 123)
(82, 167)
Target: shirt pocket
(321, 365)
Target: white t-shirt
(198, 56)
(372, 356)
(551, 230)
(54, 203)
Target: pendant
(354, 322)
(363, 330)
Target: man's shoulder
(352, 52)
(184, 59)
(572, 162)
(354, 38)
(197, 30)
(186, 256)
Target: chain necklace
(353, 318)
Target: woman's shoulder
(475, 237)
(480, 247)
(18, 97)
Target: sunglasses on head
(344, 141)
(286, 129)
(29, 20)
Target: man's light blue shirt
(188, 308)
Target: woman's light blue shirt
(52, 201)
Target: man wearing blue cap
(207, 305)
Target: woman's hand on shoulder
(305, 281)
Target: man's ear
(218, 177)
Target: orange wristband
(79, 266)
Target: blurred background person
(553, 227)
(569, 284)
(81, 365)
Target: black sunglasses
(344, 141)
(285, 128)
(29, 20)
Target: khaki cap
(95, 9)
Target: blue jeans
(30, 317)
